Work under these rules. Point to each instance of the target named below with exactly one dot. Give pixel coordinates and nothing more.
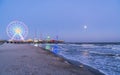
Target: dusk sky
(70, 20)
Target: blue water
(105, 58)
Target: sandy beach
(25, 59)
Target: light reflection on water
(52, 47)
(105, 58)
(48, 47)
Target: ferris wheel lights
(17, 30)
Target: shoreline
(26, 59)
(76, 63)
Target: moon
(85, 27)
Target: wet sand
(25, 59)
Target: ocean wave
(104, 54)
(104, 58)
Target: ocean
(103, 57)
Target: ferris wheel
(17, 30)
